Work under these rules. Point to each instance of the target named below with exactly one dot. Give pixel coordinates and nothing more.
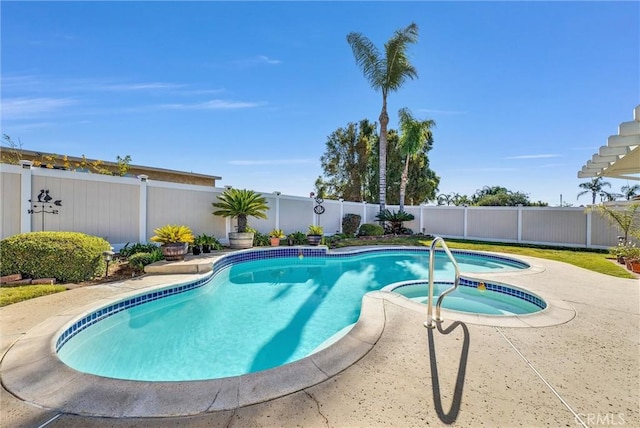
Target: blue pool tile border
(495, 287)
(273, 253)
(125, 304)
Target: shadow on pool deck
(584, 370)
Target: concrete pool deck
(582, 369)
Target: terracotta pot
(173, 252)
(634, 266)
(274, 241)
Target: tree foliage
(415, 138)
(350, 168)
(347, 163)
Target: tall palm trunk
(384, 121)
(403, 182)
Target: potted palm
(275, 236)
(175, 240)
(240, 204)
(314, 234)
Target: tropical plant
(625, 218)
(259, 239)
(297, 238)
(130, 249)
(416, 134)
(445, 199)
(386, 73)
(173, 234)
(629, 192)
(595, 187)
(277, 233)
(395, 220)
(315, 230)
(240, 204)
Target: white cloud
(268, 60)
(543, 156)
(18, 108)
(272, 162)
(257, 60)
(213, 105)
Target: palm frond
(398, 65)
(368, 59)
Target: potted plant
(275, 236)
(314, 234)
(175, 240)
(240, 204)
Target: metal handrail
(438, 318)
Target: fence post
(421, 219)
(464, 229)
(588, 243)
(142, 220)
(364, 212)
(519, 222)
(25, 196)
(341, 212)
(277, 209)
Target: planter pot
(634, 266)
(177, 251)
(195, 250)
(274, 242)
(621, 260)
(314, 239)
(238, 240)
(206, 248)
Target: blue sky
(523, 93)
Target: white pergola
(620, 158)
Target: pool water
(253, 316)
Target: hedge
(370, 229)
(65, 256)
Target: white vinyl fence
(122, 209)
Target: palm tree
(445, 198)
(594, 187)
(415, 135)
(385, 73)
(241, 203)
(629, 192)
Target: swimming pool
(259, 310)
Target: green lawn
(9, 295)
(595, 260)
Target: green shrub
(350, 223)
(298, 238)
(65, 256)
(370, 229)
(259, 239)
(140, 260)
(128, 251)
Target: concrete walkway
(584, 371)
